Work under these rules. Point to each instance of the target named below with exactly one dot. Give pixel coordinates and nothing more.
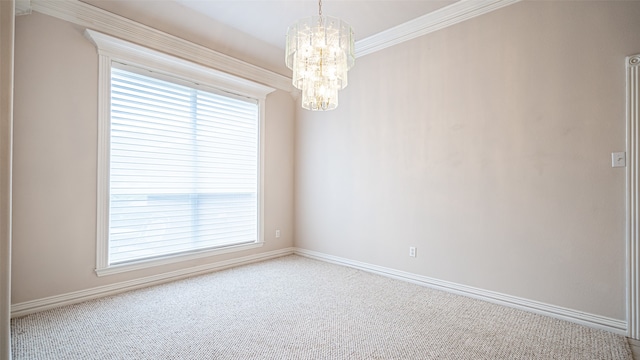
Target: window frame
(113, 50)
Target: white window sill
(170, 259)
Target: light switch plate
(618, 159)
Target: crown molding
(103, 21)
(97, 19)
(436, 20)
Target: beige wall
(486, 145)
(54, 214)
(221, 37)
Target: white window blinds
(183, 167)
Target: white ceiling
(264, 20)
(268, 20)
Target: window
(183, 169)
(179, 170)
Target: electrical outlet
(618, 159)
(277, 233)
(412, 251)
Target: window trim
(112, 50)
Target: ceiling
(268, 19)
(265, 21)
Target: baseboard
(29, 307)
(587, 319)
(595, 321)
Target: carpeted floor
(298, 308)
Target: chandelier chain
(320, 7)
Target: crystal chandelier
(320, 51)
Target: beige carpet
(298, 308)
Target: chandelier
(320, 51)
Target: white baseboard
(579, 317)
(595, 321)
(29, 307)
